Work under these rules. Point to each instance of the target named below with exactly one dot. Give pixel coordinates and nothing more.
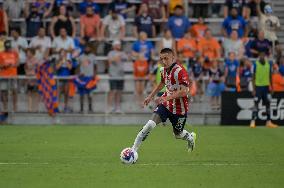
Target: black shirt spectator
(238, 4)
(251, 5)
(260, 45)
(144, 22)
(34, 22)
(63, 20)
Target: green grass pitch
(88, 156)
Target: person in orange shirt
(140, 72)
(277, 80)
(187, 46)
(9, 61)
(199, 29)
(90, 24)
(209, 48)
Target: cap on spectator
(7, 44)
(116, 42)
(268, 9)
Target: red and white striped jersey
(174, 78)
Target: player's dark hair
(166, 50)
(178, 7)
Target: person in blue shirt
(63, 67)
(234, 22)
(178, 23)
(144, 47)
(231, 71)
(83, 6)
(122, 7)
(259, 45)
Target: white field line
(204, 164)
(155, 164)
(16, 163)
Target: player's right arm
(153, 93)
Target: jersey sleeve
(183, 78)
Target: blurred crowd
(69, 33)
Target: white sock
(142, 134)
(184, 135)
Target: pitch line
(16, 163)
(203, 164)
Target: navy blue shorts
(178, 121)
(262, 93)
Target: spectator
(86, 3)
(238, 4)
(44, 7)
(197, 74)
(140, 75)
(157, 9)
(199, 29)
(42, 45)
(143, 47)
(4, 24)
(268, 23)
(234, 44)
(231, 71)
(116, 58)
(167, 41)
(281, 66)
(34, 21)
(246, 75)
(144, 22)
(87, 71)
(251, 8)
(234, 22)
(2, 41)
(14, 10)
(19, 44)
(172, 4)
(209, 48)
(115, 24)
(62, 20)
(122, 7)
(215, 86)
(63, 42)
(187, 46)
(277, 80)
(30, 70)
(90, 24)
(260, 45)
(178, 23)
(200, 8)
(9, 60)
(63, 68)
(68, 3)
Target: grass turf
(88, 156)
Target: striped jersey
(173, 78)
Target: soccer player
(262, 71)
(173, 104)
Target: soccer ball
(128, 156)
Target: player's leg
(158, 116)
(178, 123)
(257, 99)
(266, 101)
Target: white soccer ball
(128, 156)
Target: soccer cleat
(269, 124)
(191, 143)
(252, 124)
